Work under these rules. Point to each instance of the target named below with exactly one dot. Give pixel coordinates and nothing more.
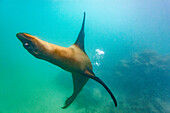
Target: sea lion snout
(28, 43)
(19, 36)
(32, 44)
(23, 37)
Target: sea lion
(73, 59)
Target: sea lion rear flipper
(91, 75)
(80, 39)
(78, 82)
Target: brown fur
(71, 59)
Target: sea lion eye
(26, 44)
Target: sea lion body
(73, 59)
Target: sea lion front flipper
(91, 75)
(80, 39)
(78, 82)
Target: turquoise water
(127, 41)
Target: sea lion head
(32, 44)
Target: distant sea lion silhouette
(73, 59)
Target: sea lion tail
(92, 76)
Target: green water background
(119, 28)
